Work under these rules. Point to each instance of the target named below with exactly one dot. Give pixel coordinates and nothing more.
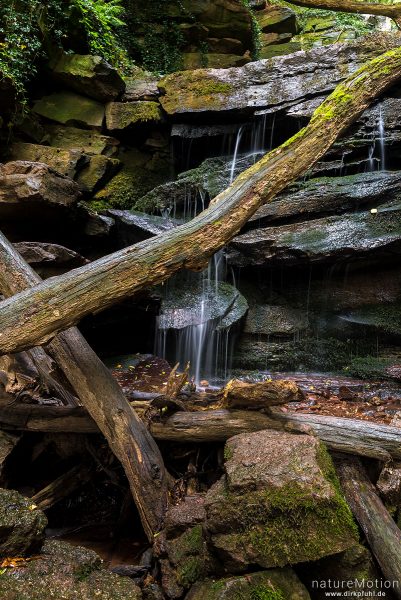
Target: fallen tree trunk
(350, 436)
(382, 534)
(104, 400)
(393, 11)
(34, 316)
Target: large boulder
(277, 504)
(22, 525)
(66, 162)
(68, 572)
(120, 115)
(88, 141)
(322, 240)
(88, 75)
(34, 189)
(275, 584)
(196, 303)
(272, 84)
(69, 108)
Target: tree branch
(393, 11)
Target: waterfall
(191, 329)
(203, 344)
(234, 160)
(381, 138)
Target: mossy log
(34, 316)
(104, 400)
(393, 11)
(382, 534)
(351, 436)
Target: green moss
(290, 524)
(228, 452)
(191, 571)
(261, 593)
(198, 88)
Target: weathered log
(382, 534)
(62, 487)
(241, 394)
(393, 11)
(351, 436)
(34, 316)
(103, 398)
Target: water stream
(204, 342)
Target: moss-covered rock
(275, 584)
(120, 115)
(69, 108)
(22, 525)
(279, 503)
(66, 162)
(97, 172)
(279, 19)
(140, 173)
(88, 75)
(65, 572)
(85, 140)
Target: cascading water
(382, 138)
(194, 324)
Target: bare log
(393, 11)
(104, 400)
(34, 316)
(351, 436)
(382, 534)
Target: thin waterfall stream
(196, 322)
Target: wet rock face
(330, 195)
(322, 240)
(88, 75)
(49, 259)
(68, 572)
(197, 304)
(275, 583)
(22, 525)
(35, 187)
(275, 320)
(133, 226)
(259, 85)
(272, 508)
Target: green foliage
(158, 41)
(29, 27)
(101, 19)
(20, 43)
(368, 367)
